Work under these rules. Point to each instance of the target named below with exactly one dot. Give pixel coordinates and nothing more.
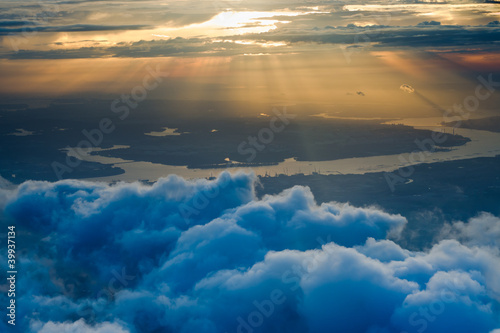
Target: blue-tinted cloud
(77, 326)
(208, 256)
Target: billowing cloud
(482, 230)
(407, 88)
(209, 256)
(78, 326)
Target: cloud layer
(90, 29)
(208, 256)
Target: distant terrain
(206, 134)
(491, 124)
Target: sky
(348, 55)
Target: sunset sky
(345, 55)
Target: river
(482, 144)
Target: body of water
(482, 144)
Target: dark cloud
(15, 23)
(384, 36)
(73, 28)
(157, 48)
(458, 38)
(427, 23)
(208, 256)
